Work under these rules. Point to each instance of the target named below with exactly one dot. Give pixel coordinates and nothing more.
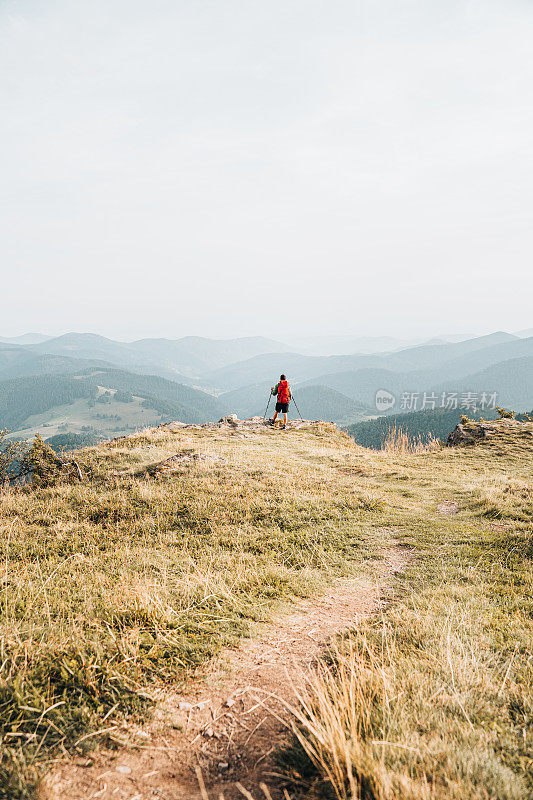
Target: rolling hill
(478, 371)
(88, 346)
(19, 362)
(194, 355)
(322, 402)
(361, 385)
(511, 379)
(302, 368)
(499, 362)
(345, 345)
(191, 355)
(203, 406)
(26, 338)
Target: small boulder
(231, 419)
(460, 436)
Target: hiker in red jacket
(283, 392)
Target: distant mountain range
(26, 338)
(513, 383)
(306, 368)
(424, 368)
(196, 378)
(190, 356)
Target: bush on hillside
(41, 463)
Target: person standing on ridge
(283, 392)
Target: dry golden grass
(132, 578)
(434, 699)
(135, 578)
(400, 443)
(390, 717)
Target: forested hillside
(428, 424)
(72, 441)
(204, 407)
(22, 397)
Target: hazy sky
(236, 167)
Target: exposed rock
(460, 436)
(231, 419)
(231, 424)
(471, 432)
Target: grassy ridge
(132, 578)
(136, 577)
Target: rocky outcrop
(233, 423)
(470, 432)
(462, 436)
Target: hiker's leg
(284, 417)
(275, 416)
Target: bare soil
(233, 717)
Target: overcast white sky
(236, 167)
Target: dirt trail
(230, 721)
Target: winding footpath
(218, 740)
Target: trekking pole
(296, 404)
(266, 409)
